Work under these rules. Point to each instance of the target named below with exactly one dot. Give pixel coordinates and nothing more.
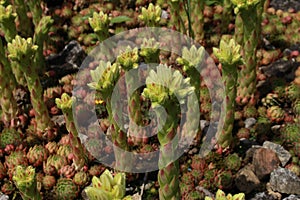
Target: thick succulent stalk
(176, 20)
(25, 24)
(260, 11)
(229, 56)
(105, 78)
(197, 19)
(226, 15)
(7, 86)
(7, 19)
(25, 181)
(36, 10)
(129, 63)
(22, 52)
(165, 88)
(65, 104)
(239, 29)
(249, 17)
(40, 36)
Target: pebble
(285, 181)
(249, 122)
(283, 155)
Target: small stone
(292, 197)
(283, 155)
(285, 181)
(263, 196)
(246, 181)
(264, 162)
(249, 122)
(3, 196)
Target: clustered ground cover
(43, 43)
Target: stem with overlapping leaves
(23, 52)
(65, 104)
(104, 80)
(229, 56)
(167, 89)
(7, 86)
(251, 26)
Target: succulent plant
(64, 150)
(230, 57)
(176, 20)
(65, 189)
(247, 11)
(271, 100)
(54, 163)
(25, 181)
(275, 113)
(48, 182)
(197, 19)
(52, 147)
(7, 19)
(290, 133)
(2, 171)
(150, 50)
(16, 158)
(37, 155)
(67, 171)
(220, 195)
(249, 111)
(81, 178)
(225, 179)
(42, 28)
(107, 187)
(151, 15)
(65, 104)
(167, 89)
(129, 58)
(233, 162)
(7, 86)
(10, 136)
(191, 60)
(100, 24)
(293, 91)
(26, 25)
(8, 187)
(23, 52)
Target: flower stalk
(23, 52)
(167, 89)
(65, 104)
(250, 22)
(229, 56)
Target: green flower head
(229, 53)
(166, 84)
(129, 59)
(244, 4)
(149, 47)
(65, 102)
(20, 49)
(191, 57)
(104, 78)
(151, 16)
(7, 14)
(99, 21)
